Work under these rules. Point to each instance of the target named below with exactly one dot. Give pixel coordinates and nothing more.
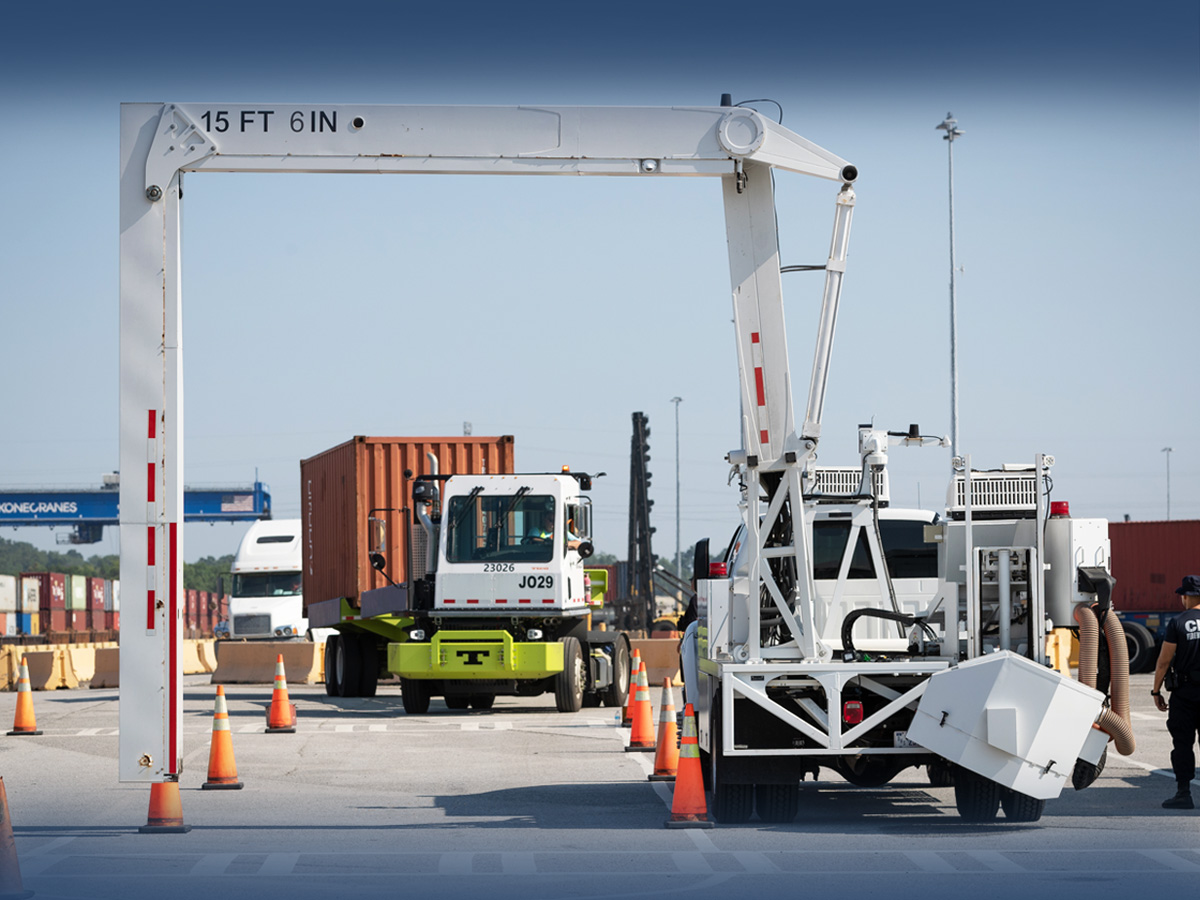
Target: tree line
(17, 557)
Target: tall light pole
(678, 557)
(1168, 451)
(950, 126)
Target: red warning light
(1060, 508)
(852, 712)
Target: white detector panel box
(1007, 718)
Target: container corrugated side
(1149, 560)
(51, 589)
(77, 592)
(8, 593)
(340, 487)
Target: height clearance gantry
(162, 141)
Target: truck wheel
(977, 798)
(368, 682)
(348, 666)
(416, 694)
(1141, 647)
(457, 701)
(732, 804)
(777, 802)
(1020, 807)
(617, 693)
(940, 775)
(331, 654)
(568, 684)
(482, 701)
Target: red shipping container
(341, 486)
(192, 612)
(114, 620)
(78, 619)
(1149, 560)
(53, 593)
(95, 593)
(97, 620)
(53, 620)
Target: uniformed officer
(1181, 652)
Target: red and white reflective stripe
(151, 517)
(447, 600)
(548, 600)
(173, 663)
(476, 600)
(756, 360)
(498, 600)
(524, 600)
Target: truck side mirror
(378, 561)
(585, 549)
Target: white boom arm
(159, 142)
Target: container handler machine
(961, 684)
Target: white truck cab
(267, 599)
(511, 542)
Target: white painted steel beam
(161, 141)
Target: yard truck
(484, 590)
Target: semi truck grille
(244, 626)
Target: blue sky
(317, 308)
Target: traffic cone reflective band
(24, 721)
(222, 770)
(282, 715)
(641, 737)
(166, 812)
(10, 867)
(666, 757)
(635, 663)
(688, 809)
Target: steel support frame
(750, 681)
(160, 141)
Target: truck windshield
(266, 584)
(500, 528)
(904, 548)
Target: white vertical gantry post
(151, 720)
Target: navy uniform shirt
(1184, 632)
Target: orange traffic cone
(222, 770)
(166, 812)
(641, 737)
(635, 662)
(688, 809)
(666, 759)
(281, 718)
(10, 867)
(24, 722)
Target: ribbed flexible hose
(1114, 720)
(1089, 645)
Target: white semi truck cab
(267, 600)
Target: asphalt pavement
(524, 802)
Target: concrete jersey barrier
(253, 662)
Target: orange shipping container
(340, 487)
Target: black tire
(977, 798)
(368, 681)
(733, 804)
(331, 651)
(940, 775)
(777, 803)
(416, 694)
(616, 695)
(1020, 807)
(458, 701)
(482, 701)
(568, 684)
(1141, 647)
(348, 665)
